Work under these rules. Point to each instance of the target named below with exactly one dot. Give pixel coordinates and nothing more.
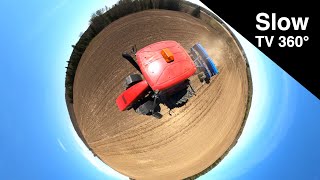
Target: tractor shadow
(177, 100)
(150, 104)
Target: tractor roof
(165, 64)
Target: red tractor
(165, 67)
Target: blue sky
(280, 140)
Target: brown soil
(178, 145)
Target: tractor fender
(131, 95)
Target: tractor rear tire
(186, 97)
(131, 80)
(180, 98)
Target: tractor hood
(165, 64)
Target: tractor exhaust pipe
(128, 57)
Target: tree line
(105, 16)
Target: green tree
(150, 5)
(196, 12)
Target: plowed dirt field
(179, 145)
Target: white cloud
(53, 10)
(62, 146)
(42, 21)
